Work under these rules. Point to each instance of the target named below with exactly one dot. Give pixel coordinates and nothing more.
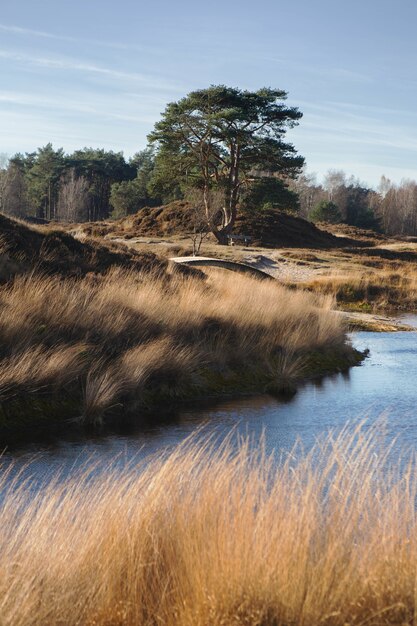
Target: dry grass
(212, 535)
(127, 337)
(385, 287)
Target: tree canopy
(326, 211)
(226, 138)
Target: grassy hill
(25, 248)
(267, 228)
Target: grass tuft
(122, 340)
(220, 535)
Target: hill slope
(25, 248)
(266, 228)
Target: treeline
(89, 184)
(95, 184)
(391, 208)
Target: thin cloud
(335, 72)
(339, 122)
(18, 30)
(371, 109)
(357, 135)
(353, 110)
(99, 108)
(29, 32)
(79, 66)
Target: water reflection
(385, 384)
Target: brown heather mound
(175, 218)
(360, 235)
(274, 229)
(24, 248)
(267, 228)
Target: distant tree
(13, 191)
(325, 211)
(4, 161)
(131, 195)
(225, 138)
(397, 209)
(334, 180)
(43, 171)
(166, 181)
(309, 192)
(144, 162)
(127, 197)
(73, 198)
(335, 185)
(3, 186)
(101, 169)
(358, 210)
(270, 193)
(384, 186)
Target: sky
(99, 73)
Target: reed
(121, 339)
(219, 535)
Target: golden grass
(384, 287)
(214, 535)
(126, 337)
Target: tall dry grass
(211, 535)
(384, 287)
(124, 338)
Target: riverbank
(96, 347)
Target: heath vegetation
(124, 339)
(384, 288)
(217, 534)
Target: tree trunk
(221, 237)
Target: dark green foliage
(126, 197)
(101, 169)
(43, 170)
(358, 211)
(270, 193)
(13, 190)
(224, 138)
(223, 141)
(326, 211)
(129, 196)
(46, 171)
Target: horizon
(66, 85)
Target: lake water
(385, 384)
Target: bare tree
(73, 198)
(13, 191)
(310, 193)
(384, 186)
(207, 206)
(407, 207)
(397, 207)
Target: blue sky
(99, 73)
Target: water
(385, 384)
